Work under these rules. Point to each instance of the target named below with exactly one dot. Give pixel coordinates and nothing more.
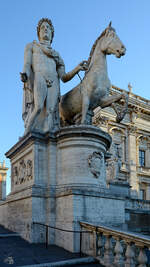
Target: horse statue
(77, 105)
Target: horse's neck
(98, 61)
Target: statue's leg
(52, 106)
(85, 106)
(106, 102)
(40, 91)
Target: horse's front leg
(106, 102)
(85, 107)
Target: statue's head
(45, 30)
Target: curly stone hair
(49, 22)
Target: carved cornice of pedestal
(28, 139)
(84, 131)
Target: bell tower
(3, 175)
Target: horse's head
(111, 44)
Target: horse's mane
(95, 43)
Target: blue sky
(77, 24)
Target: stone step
(17, 252)
(9, 235)
(86, 261)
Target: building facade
(3, 175)
(129, 160)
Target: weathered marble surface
(93, 91)
(43, 68)
(67, 186)
(81, 156)
(65, 182)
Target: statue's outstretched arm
(65, 77)
(27, 63)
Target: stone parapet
(113, 247)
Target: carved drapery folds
(22, 172)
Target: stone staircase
(103, 246)
(15, 251)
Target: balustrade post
(99, 245)
(46, 236)
(116, 248)
(108, 253)
(118, 260)
(142, 258)
(99, 248)
(130, 256)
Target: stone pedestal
(32, 172)
(60, 180)
(80, 156)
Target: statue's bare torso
(43, 64)
(43, 68)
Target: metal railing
(63, 230)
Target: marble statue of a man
(43, 69)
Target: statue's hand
(23, 77)
(83, 65)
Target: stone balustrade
(113, 247)
(2, 164)
(141, 100)
(137, 204)
(143, 170)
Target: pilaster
(132, 148)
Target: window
(142, 158)
(142, 194)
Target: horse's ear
(110, 24)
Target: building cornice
(135, 101)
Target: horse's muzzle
(123, 51)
